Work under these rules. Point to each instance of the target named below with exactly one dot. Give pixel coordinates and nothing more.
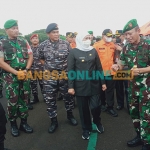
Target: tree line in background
(41, 33)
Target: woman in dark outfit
(84, 59)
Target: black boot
(30, 107)
(1, 94)
(35, 100)
(25, 127)
(146, 147)
(71, 118)
(53, 126)
(136, 141)
(2, 146)
(14, 128)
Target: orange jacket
(106, 52)
(73, 45)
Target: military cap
(130, 25)
(69, 34)
(90, 32)
(118, 33)
(51, 27)
(107, 32)
(75, 33)
(10, 23)
(33, 35)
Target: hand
(119, 48)
(21, 75)
(135, 71)
(104, 87)
(71, 91)
(115, 67)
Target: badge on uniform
(90, 54)
(82, 60)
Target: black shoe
(135, 142)
(1, 94)
(112, 112)
(53, 125)
(14, 128)
(35, 100)
(100, 128)
(146, 147)
(25, 127)
(103, 108)
(86, 135)
(119, 107)
(71, 118)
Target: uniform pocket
(9, 55)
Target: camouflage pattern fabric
(36, 66)
(139, 87)
(1, 82)
(17, 92)
(55, 56)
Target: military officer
(16, 54)
(136, 55)
(53, 55)
(36, 66)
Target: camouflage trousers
(34, 86)
(140, 111)
(1, 82)
(50, 89)
(17, 94)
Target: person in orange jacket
(70, 37)
(106, 51)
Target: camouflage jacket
(137, 55)
(36, 65)
(54, 54)
(15, 53)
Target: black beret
(107, 32)
(51, 27)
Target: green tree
(42, 35)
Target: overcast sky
(74, 15)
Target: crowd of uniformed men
(125, 50)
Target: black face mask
(118, 40)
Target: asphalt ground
(118, 130)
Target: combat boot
(35, 100)
(71, 118)
(146, 147)
(30, 107)
(54, 125)
(136, 141)
(1, 94)
(25, 127)
(14, 128)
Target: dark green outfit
(139, 87)
(15, 53)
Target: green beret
(130, 25)
(10, 23)
(90, 32)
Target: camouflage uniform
(139, 87)
(1, 80)
(55, 57)
(36, 66)
(15, 53)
